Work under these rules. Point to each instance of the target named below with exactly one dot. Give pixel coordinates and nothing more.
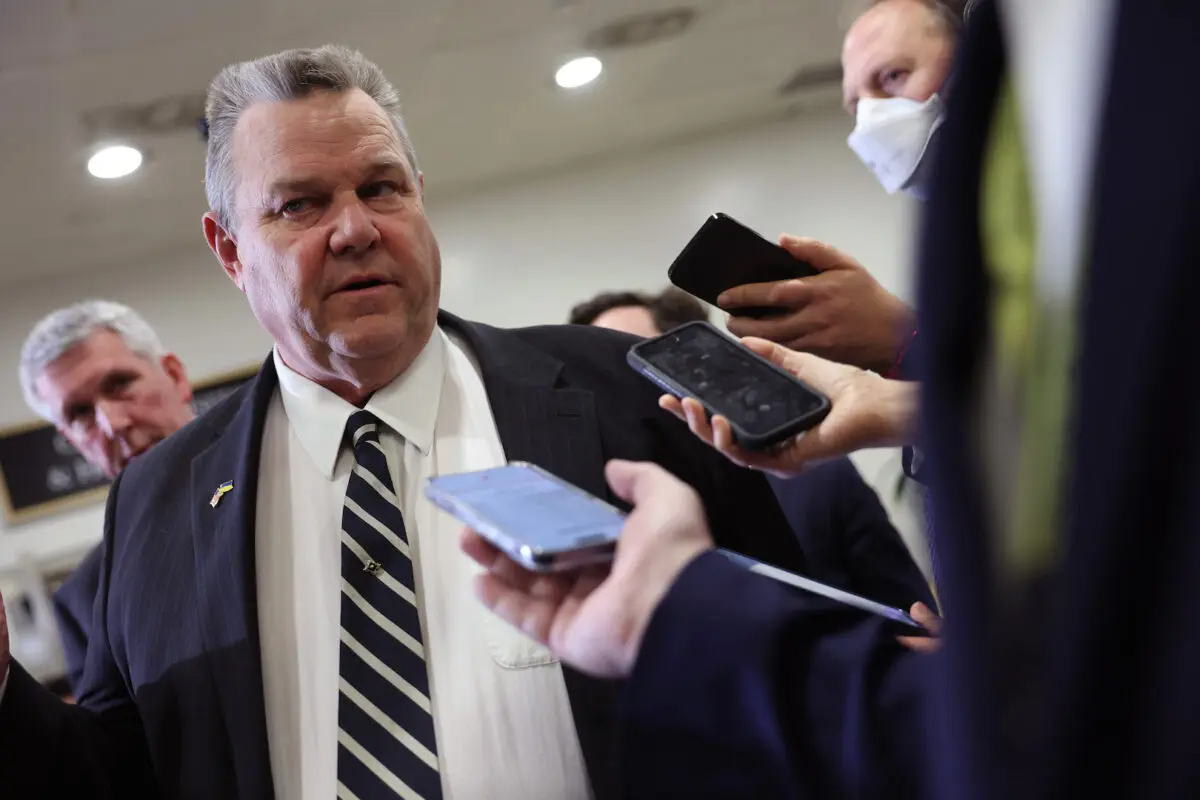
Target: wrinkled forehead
(325, 132)
(84, 366)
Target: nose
(112, 418)
(354, 229)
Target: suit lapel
(223, 538)
(556, 428)
(538, 421)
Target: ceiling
(475, 76)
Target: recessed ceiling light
(577, 72)
(114, 162)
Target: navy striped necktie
(386, 742)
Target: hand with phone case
(866, 410)
(594, 619)
(839, 313)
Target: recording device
(764, 404)
(538, 520)
(824, 590)
(723, 254)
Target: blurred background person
(641, 314)
(99, 373)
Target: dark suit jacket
(172, 693)
(847, 538)
(73, 604)
(1086, 685)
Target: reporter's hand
(867, 411)
(931, 622)
(594, 620)
(841, 314)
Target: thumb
(632, 481)
(817, 254)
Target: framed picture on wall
(41, 473)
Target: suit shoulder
(585, 349)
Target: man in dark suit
(280, 612)
(99, 373)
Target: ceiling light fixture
(114, 162)
(578, 71)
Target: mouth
(362, 283)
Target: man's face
(895, 49)
(330, 243)
(631, 319)
(112, 403)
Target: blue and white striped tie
(386, 742)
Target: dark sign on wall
(41, 472)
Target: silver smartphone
(540, 521)
(833, 593)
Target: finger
(790, 294)
(920, 644)
(671, 403)
(817, 254)
(480, 550)
(532, 616)
(789, 328)
(635, 482)
(820, 373)
(697, 419)
(784, 461)
(927, 618)
(496, 562)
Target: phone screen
(519, 506)
(729, 379)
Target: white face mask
(892, 135)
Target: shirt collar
(408, 405)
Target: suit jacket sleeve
(745, 688)
(96, 749)
(74, 603)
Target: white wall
(512, 255)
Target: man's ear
(421, 183)
(178, 375)
(224, 248)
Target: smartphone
(764, 404)
(824, 590)
(723, 254)
(540, 521)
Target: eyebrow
(311, 185)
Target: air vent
(640, 29)
(166, 115)
(821, 76)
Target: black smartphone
(764, 404)
(723, 254)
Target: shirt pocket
(510, 648)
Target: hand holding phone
(535, 518)
(725, 254)
(764, 404)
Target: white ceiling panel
(475, 76)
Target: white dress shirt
(500, 707)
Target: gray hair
(61, 330)
(289, 75)
(948, 14)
